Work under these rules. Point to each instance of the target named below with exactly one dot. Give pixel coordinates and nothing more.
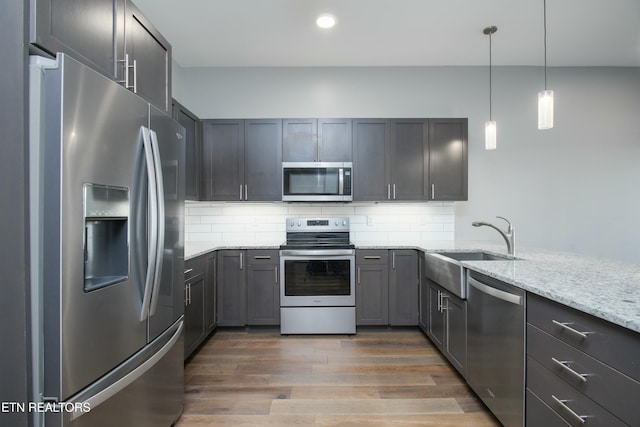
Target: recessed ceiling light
(326, 21)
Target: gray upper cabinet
(316, 140)
(448, 164)
(390, 159)
(111, 36)
(191, 124)
(263, 160)
(223, 159)
(147, 59)
(370, 159)
(85, 30)
(409, 159)
(241, 160)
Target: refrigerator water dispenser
(106, 235)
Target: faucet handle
(510, 227)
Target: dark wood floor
(373, 378)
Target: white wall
(575, 187)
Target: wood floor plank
(373, 378)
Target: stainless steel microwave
(317, 181)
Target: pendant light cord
(544, 9)
(490, 91)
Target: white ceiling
(249, 33)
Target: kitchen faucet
(508, 236)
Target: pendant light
(545, 97)
(490, 126)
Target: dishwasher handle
(496, 293)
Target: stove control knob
(344, 223)
(336, 223)
(292, 223)
(299, 223)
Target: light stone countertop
(604, 288)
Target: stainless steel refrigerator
(107, 208)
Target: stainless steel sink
(444, 268)
(476, 256)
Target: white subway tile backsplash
(248, 224)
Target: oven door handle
(316, 252)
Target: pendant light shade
(490, 135)
(490, 126)
(545, 109)
(545, 97)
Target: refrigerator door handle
(153, 220)
(159, 255)
(110, 391)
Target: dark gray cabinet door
(210, 317)
(263, 289)
(191, 124)
(334, 140)
(231, 284)
(316, 140)
(85, 30)
(423, 295)
(456, 332)
(194, 304)
(409, 159)
(299, 140)
(448, 164)
(263, 160)
(149, 56)
(403, 288)
(371, 159)
(223, 159)
(372, 287)
(435, 329)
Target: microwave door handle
(341, 181)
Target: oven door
(317, 278)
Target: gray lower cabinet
(191, 124)
(580, 369)
(448, 159)
(231, 288)
(210, 292)
(316, 140)
(241, 160)
(447, 324)
(403, 287)
(111, 36)
(263, 287)
(194, 300)
(372, 287)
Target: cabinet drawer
(372, 256)
(540, 415)
(193, 267)
(611, 389)
(565, 400)
(263, 256)
(614, 345)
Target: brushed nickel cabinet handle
(564, 365)
(565, 326)
(563, 403)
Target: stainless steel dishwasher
(496, 346)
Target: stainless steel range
(317, 277)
